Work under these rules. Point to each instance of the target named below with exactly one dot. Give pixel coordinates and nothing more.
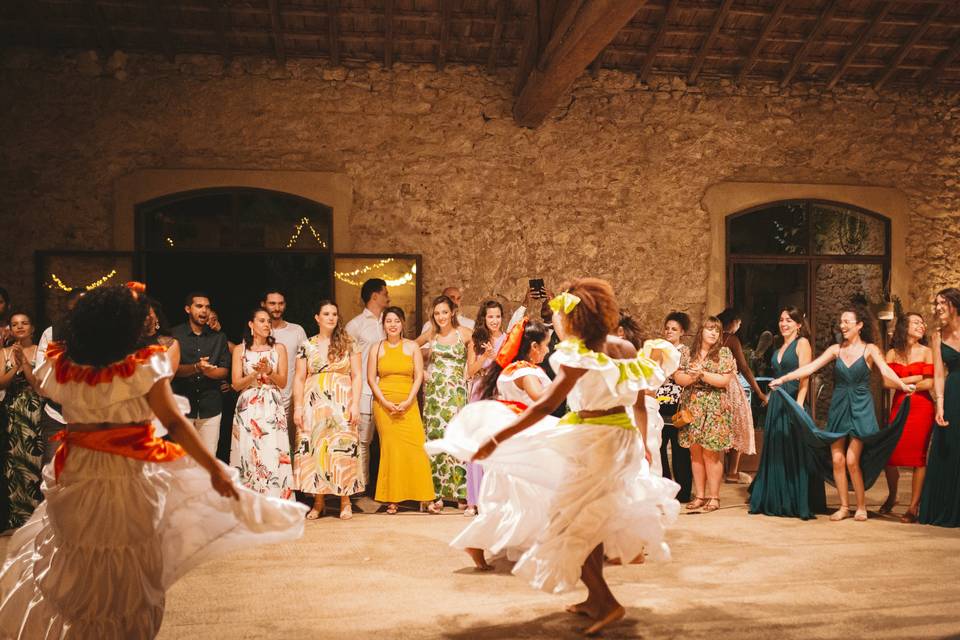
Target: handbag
(682, 418)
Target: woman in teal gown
(940, 501)
(853, 441)
(787, 482)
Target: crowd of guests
(347, 411)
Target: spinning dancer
(851, 413)
(582, 485)
(126, 513)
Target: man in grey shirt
(289, 334)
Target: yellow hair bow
(564, 302)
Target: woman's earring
(157, 327)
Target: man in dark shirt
(204, 362)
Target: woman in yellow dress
(395, 375)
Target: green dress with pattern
(444, 394)
(21, 453)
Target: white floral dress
(260, 447)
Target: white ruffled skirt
(113, 534)
(552, 493)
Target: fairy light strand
(298, 228)
(58, 283)
(406, 278)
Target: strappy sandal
(712, 505)
(909, 517)
(315, 513)
(392, 509)
(840, 514)
(860, 515)
(346, 511)
(696, 503)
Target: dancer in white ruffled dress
(125, 513)
(580, 486)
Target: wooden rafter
(718, 21)
(911, 42)
(221, 20)
(861, 42)
(276, 32)
(539, 23)
(768, 28)
(822, 20)
(596, 64)
(658, 39)
(497, 37)
(163, 30)
(388, 33)
(104, 39)
(573, 45)
(333, 31)
(443, 46)
(942, 64)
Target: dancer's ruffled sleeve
(669, 354)
(626, 375)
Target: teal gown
(851, 415)
(787, 482)
(940, 500)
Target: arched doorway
(812, 254)
(232, 243)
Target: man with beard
(289, 334)
(204, 362)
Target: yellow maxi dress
(404, 465)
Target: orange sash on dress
(516, 407)
(133, 441)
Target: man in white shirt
(289, 334)
(456, 296)
(367, 330)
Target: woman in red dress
(913, 362)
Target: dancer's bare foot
(477, 556)
(840, 514)
(585, 608)
(609, 618)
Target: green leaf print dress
(444, 394)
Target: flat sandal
(712, 505)
(696, 503)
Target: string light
(394, 282)
(57, 282)
(299, 227)
(169, 241)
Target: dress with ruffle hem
(116, 531)
(555, 491)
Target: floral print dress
(712, 424)
(327, 458)
(21, 453)
(260, 447)
(444, 394)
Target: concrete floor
(733, 576)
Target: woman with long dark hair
(940, 502)
(487, 338)
(326, 411)
(852, 441)
(744, 439)
(787, 482)
(705, 373)
(260, 444)
(126, 514)
(913, 362)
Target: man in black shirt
(204, 362)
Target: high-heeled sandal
(391, 509)
(696, 503)
(712, 505)
(434, 508)
(315, 512)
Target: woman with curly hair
(125, 514)
(581, 486)
(326, 411)
(852, 441)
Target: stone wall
(610, 185)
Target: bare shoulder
(803, 343)
(619, 348)
(465, 333)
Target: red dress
(911, 451)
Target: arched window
(810, 254)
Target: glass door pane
(759, 292)
(401, 272)
(834, 286)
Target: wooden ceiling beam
(497, 37)
(535, 37)
(911, 42)
(596, 65)
(162, 29)
(825, 15)
(768, 28)
(942, 63)
(333, 31)
(443, 47)
(221, 21)
(658, 39)
(718, 21)
(388, 33)
(573, 45)
(860, 43)
(276, 32)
